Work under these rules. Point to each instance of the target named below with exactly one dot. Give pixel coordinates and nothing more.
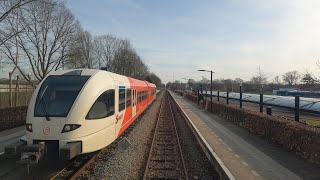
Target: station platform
(10, 136)
(243, 154)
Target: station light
(211, 72)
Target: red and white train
(82, 110)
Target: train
(78, 111)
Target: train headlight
(29, 127)
(70, 127)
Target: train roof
(150, 84)
(91, 72)
(80, 72)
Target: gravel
(130, 163)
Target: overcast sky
(230, 37)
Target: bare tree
(262, 78)
(291, 78)
(205, 83)
(105, 47)
(238, 81)
(49, 26)
(80, 52)
(127, 62)
(153, 78)
(308, 79)
(277, 80)
(8, 8)
(10, 28)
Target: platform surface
(245, 155)
(10, 136)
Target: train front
(57, 119)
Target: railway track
(76, 167)
(165, 159)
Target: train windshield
(57, 95)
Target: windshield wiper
(44, 104)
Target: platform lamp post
(211, 72)
(186, 83)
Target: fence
(296, 104)
(21, 95)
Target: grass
(312, 122)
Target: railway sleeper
(166, 178)
(166, 140)
(165, 148)
(165, 169)
(165, 144)
(163, 153)
(163, 160)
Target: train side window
(122, 99)
(145, 95)
(134, 97)
(142, 93)
(103, 107)
(128, 98)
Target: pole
(227, 97)
(240, 96)
(269, 110)
(296, 109)
(261, 100)
(10, 89)
(211, 93)
(17, 92)
(261, 103)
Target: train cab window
(57, 95)
(122, 99)
(103, 107)
(128, 98)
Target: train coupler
(32, 154)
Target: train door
(134, 102)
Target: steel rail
(153, 140)
(179, 144)
(74, 174)
(175, 133)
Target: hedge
(12, 117)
